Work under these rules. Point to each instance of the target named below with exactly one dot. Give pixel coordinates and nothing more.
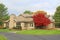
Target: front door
(18, 25)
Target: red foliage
(40, 19)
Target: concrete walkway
(13, 36)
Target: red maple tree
(40, 19)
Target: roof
(24, 18)
(6, 21)
(26, 15)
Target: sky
(19, 6)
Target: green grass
(39, 32)
(4, 30)
(2, 38)
(33, 32)
(7, 30)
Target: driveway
(13, 36)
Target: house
(24, 21)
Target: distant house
(24, 21)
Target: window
(18, 24)
(31, 24)
(25, 24)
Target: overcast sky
(19, 6)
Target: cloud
(0, 1)
(18, 6)
(45, 4)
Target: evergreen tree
(57, 17)
(3, 14)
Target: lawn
(4, 30)
(7, 30)
(39, 32)
(2, 38)
(33, 32)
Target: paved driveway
(13, 36)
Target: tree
(57, 17)
(40, 19)
(27, 12)
(3, 14)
